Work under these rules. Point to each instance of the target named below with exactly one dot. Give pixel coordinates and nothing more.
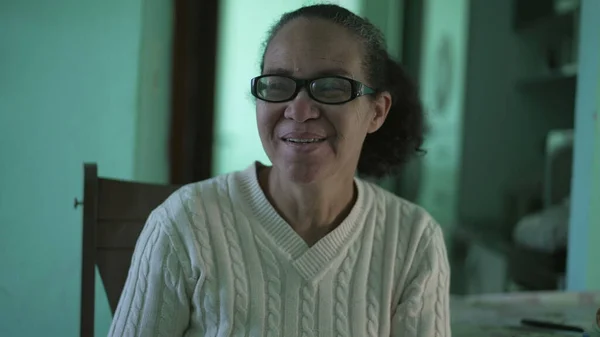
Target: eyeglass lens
(326, 89)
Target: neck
(312, 209)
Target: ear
(381, 106)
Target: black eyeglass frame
(357, 88)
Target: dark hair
(402, 134)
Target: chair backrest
(114, 213)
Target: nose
(301, 108)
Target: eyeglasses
(326, 90)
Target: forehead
(314, 47)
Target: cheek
(265, 120)
(353, 123)
(351, 133)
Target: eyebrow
(325, 72)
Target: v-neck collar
(310, 262)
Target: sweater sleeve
(154, 301)
(424, 305)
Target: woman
(301, 248)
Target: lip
(302, 135)
(303, 148)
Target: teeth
(304, 140)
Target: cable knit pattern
(439, 308)
(142, 281)
(308, 310)
(273, 285)
(216, 259)
(342, 293)
(237, 265)
(168, 303)
(400, 273)
(197, 216)
(441, 302)
(374, 284)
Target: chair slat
(116, 234)
(125, 200)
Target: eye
(276, 87)
(332, 88)
(276, 83)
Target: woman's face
(306, 49)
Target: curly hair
(402, 134)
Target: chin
(301, 173)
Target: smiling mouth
(304, 140)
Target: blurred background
(158, 91)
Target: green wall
(71, 91)
(154, 92)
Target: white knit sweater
(216, 259)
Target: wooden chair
(114, 213)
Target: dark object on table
(114, 213)
(550, 325)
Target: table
(499, 315)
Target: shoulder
(185, 217)
(196, 200)
(194, 205)
(399, 211)
(410, 224)
(192, 198)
